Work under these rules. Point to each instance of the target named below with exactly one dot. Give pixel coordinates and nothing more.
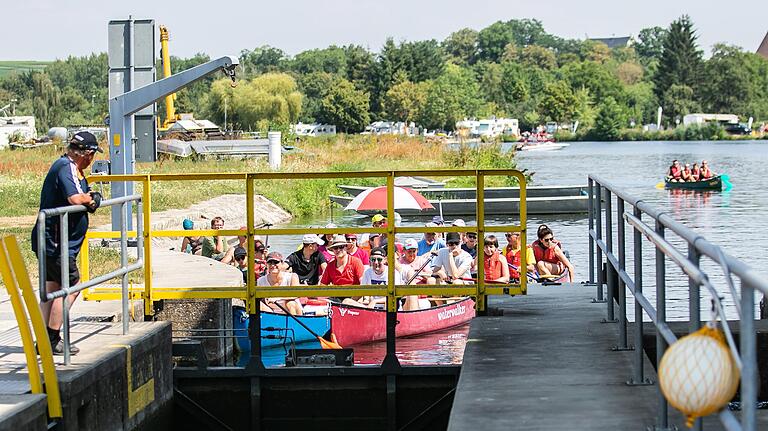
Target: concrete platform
(547, 364)
(23, 412)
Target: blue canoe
(286, 327)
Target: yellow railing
(26, 311)
(251, 293)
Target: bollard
(275, 150)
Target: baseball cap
(312, 238)
(240, 252)
(378, 251)
(411, 244)
(188, 224)
(85, 141)
(377, 218)
(350, 235)
(276, 255)
(452, 237)
(459, 222)
(438, 220)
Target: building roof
(613, 42)
(763, 48)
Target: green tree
(492, 40)
(681, 59)
(650, 43)
(584, 109)
(610, 120)
(727, 86)
(405, 100)
(267, 101)
(330, 60)
(461, 46)
(596, 51)
(593, 76)
(679, 100)
(346, 107)
(262, 59)
(314, 86)
(538, 56)
(558, 102)
(629, 72)
(453, 96)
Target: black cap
(452, 237)
(85, 141)
(239, 251)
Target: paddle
(426, 261)
(726, 181)
(325, 344)
(660, 185)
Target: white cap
(312, 238)
(459, 222)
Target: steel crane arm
(135, 100)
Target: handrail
(252, 294)
(65, 289)
(615, 277)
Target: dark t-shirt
(472, 251)
(307, 270)
(62, 181)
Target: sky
(50, 29)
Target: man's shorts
(53, 270)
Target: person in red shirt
(343, 269)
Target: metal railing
(252, 294)
(617, 280)
(65, 290)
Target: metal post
(749, 379)
(694, 295)
(64, 255)
(124, 264)
(611, 282)
(622, 267)
(599, 234)
(639, 375)
(41, 256)
(591, 210)
(661, 316)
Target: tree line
(509, 69)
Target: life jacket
(686, 174)
(705, 173)
(513, 258)
(492, 266)
(545, 254)
(675, 172)
(696, 174)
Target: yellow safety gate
(251, 293)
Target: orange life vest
(543, 253)
(492, 266)
(513, 258)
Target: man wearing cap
(308, 263)
(343, 269)
(430, 242)
(354, 250)
(64, 185)
(410, 262)
(276, 277)
(241, 262)
(452, 263)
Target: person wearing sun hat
(343, 269)
(308, 263)
(276, 277)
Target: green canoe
(714, 183)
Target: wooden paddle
(325, 344)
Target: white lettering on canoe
(345, 311)
(452, 312)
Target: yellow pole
(146, 197)
(480, 194)
(523, 241)
(170, 110)
(391, 300)
(251, 301)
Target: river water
(727, 218)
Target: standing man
(308, 263)
(64, 185)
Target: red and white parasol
(376, 199)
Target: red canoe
(355, 325)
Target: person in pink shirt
(354, 250)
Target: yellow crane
(170, 110)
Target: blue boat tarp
(279, 325)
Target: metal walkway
(548, 364)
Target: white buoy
(275, 150)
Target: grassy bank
(22, 174)
(708, 132)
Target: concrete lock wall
(123, 389)
(190, 314)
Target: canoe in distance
(355, 325)
(714, 183)
(489, 192)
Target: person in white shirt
(452, 264)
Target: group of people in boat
(349, 259)
(686, 173)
